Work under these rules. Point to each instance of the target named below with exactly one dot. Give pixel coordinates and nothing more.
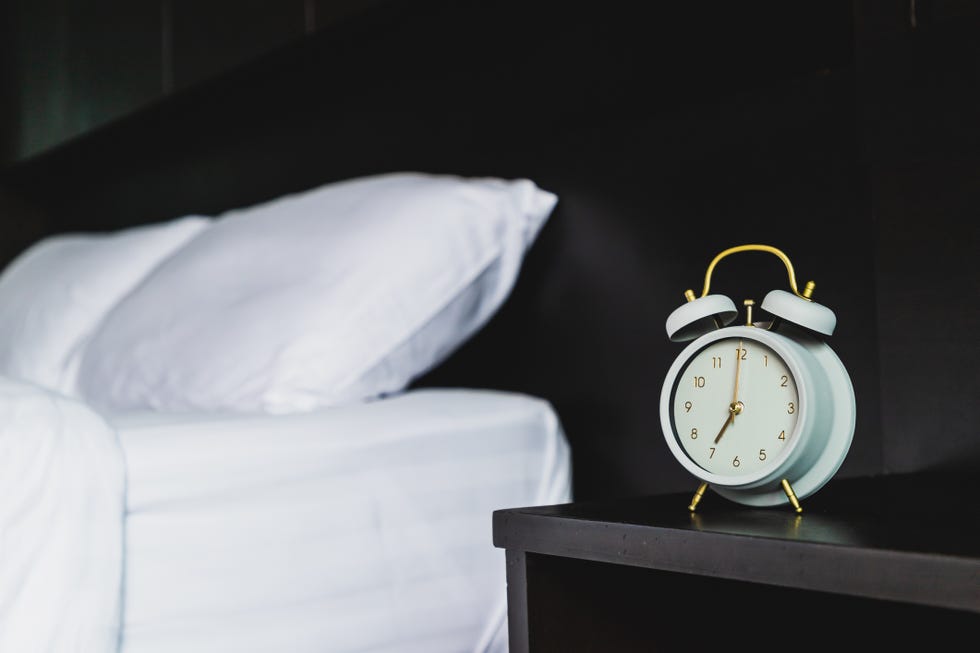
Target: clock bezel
(774, 471)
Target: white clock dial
(735, 407)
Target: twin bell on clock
(763, 413)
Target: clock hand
(738, 371)
(733, 410)
(731, 418)
(736, 406)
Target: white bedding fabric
(340, 293)
(62, 500)
(357, 528)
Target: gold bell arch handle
(807, 290)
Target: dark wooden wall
(71, 66)
(668, 132)
(920, 125)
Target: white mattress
(361, 528)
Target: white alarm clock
(763, 413)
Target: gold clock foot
(788, 489)
(696, 499)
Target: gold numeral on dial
(748, 406)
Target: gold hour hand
(733, 410)
(731, 418)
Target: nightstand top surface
(912, 538)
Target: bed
(211, 442)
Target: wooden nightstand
(895, 559)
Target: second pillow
(339, 294)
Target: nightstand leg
(517, 608)
(696, 499)
(791, 496)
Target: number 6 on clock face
(735, 407)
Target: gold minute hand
(736, 406)
(738, 371)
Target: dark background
(843, 132)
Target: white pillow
(335, 295)
(54, 294)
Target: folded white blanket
(62, 506)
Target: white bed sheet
(358, 528)
(62, 483)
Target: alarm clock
(763, 413)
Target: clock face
(735, 407)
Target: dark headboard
(669, 133)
